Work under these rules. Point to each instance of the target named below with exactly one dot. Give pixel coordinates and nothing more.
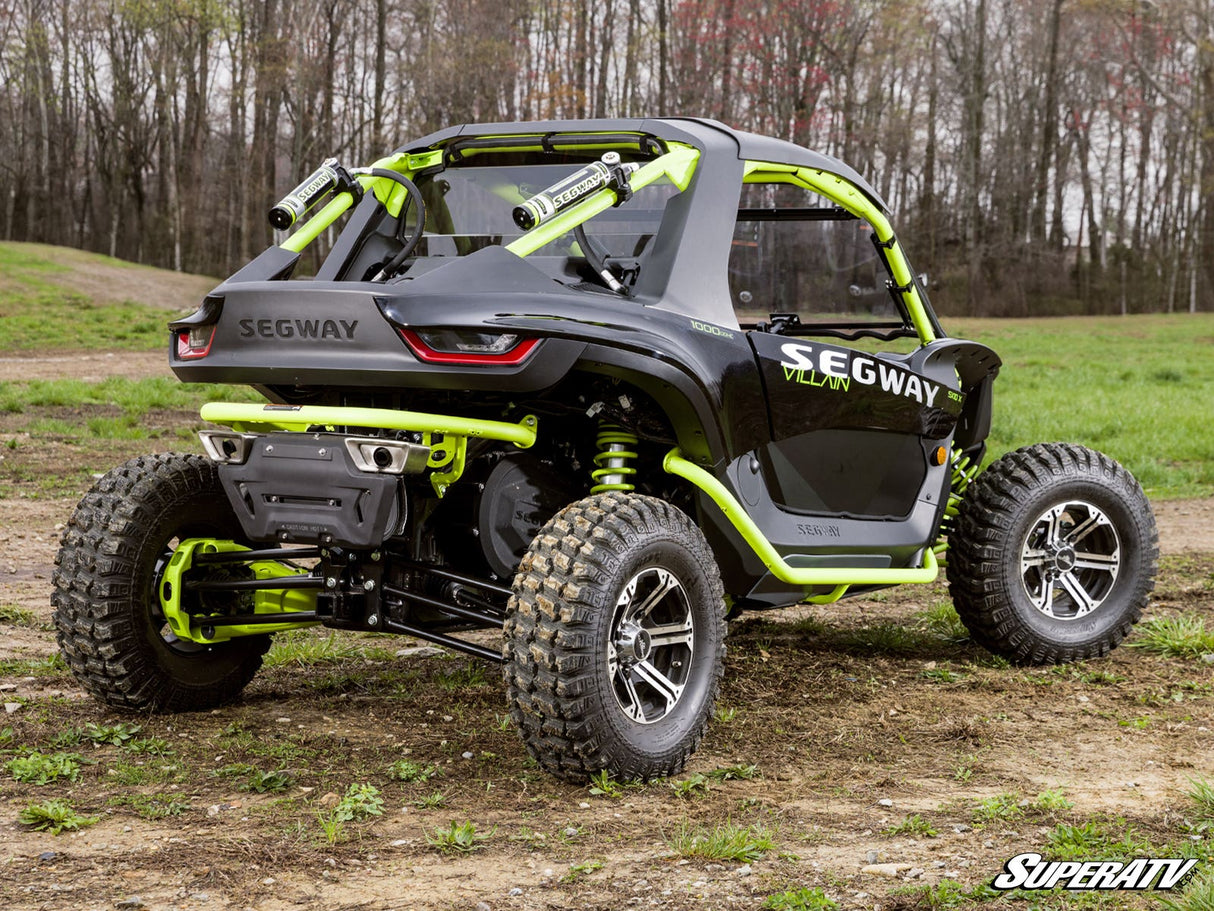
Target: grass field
(1139, 388)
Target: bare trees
(1043, 155)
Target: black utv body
(601, 384)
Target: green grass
(1175, 637)
(1198, 895)
(732, 842)
(412, 772)
(303, 648)
(1201, 794)
(1135, 387)
(33, 297)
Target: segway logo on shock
(831, 368)
(298, 328)
(1031, 871)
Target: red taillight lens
(195, 342)
(457, 346)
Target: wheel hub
(634, 643)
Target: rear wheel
(111, 627)
(615, 639)
(1053, 556)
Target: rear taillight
(194, 342)
(459, 346)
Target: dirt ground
(860, 718)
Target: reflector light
(195, 342)
(453, 346)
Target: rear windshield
(471, 207)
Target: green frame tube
(261, 418)
(675, 464)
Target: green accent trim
(262, 418)
(851, 198)
(449, 451)
(675, 464)
(678, 165)
(264, 602)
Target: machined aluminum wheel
(1070, 560)
(651, 644)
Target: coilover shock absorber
(963, 472)
(615, 446)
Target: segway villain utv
(601, 385)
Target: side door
(858, 412)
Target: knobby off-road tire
(110, 624)
(615, 639)
(1053, 556)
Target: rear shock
(616, 446)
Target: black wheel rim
(650, 645)
(1070, 559)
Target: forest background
(1041, 156)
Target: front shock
(616, 447)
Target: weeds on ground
(54, 816)
(1096, 840)
(457, 838)
(913, 825)
(1198, 895)
(585, 868)
(695, 785)
(113, 734)
(39, 768)
(803, 899)
(269, 782)
(999, 808)
(361, 801)
(431, 801)
(946, 894)
(727, 842)
(413, 772)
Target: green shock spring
(963, 472)
(615, 447)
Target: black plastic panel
(303, 488)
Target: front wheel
(1053, 556)
(614, 641)
(111, 627)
